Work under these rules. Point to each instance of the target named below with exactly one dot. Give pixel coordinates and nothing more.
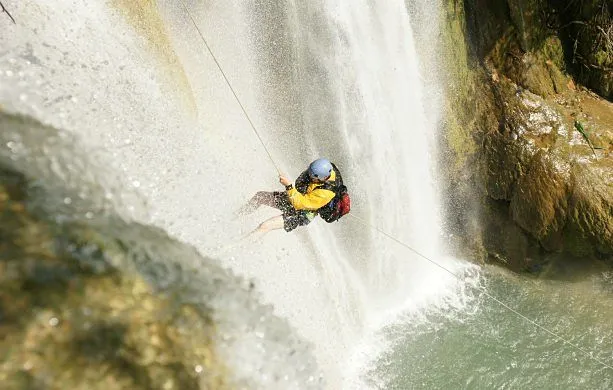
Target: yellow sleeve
(314, 200)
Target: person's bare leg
(273, 223)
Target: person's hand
(284, 180)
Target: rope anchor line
(4, 10)
(230, 85)
(490, 296)
(370, 226)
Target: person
(299, 203)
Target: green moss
(603, 58)
(586, 28)
(526, 145)
(464, 98)
(552, 50)
(459, 139)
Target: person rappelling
(319, 190)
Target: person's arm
(312, 201)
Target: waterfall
(340, 80)
(337, 79)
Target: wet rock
(535, 42)
(543, 187)
(554, 181)
(539, 202)
(587, 30)
(528, 126)
(590, 225)
(504, 241)
(70, 319)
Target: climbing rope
(391, 237)
(231, 89)
(484, 291)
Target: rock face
(70, 319)
(587, 30)
(556, 181)
(543, 142)
(535, 41)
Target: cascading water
(347, 86)
(341, 80)
(330, 78)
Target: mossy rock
(539, 72)
(504, 241)
(70, 319)
(557, 186)
(591, 207)
(586, 27)
(528, 126)
(539, 202)
(543, 180)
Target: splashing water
(318, 79)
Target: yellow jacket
(314, 198)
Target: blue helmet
(320, 169)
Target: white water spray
(348, 87)
(332, 78)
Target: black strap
(339, 178)
(303, 181)
(330, 186)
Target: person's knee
(263, 227)
(271, 224)
(260, 229)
